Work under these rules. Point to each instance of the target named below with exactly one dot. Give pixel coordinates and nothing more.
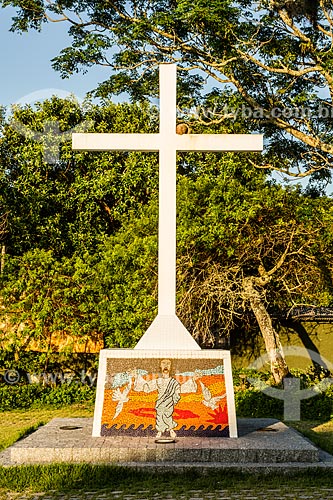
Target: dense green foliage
(234, 223)
(64, 202)
(60, 214)
(57, 363)
(80, 229)
(81, 235)
(252, 403)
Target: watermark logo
(12, 377)
(292, 394)
(51, 137)
(223, 113)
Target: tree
(251, 245)
(245, 245)
(47, 299)
(63, 201)
(3, 225)
(271, 61)
(60, 207)
(244, 242)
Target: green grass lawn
(17, 423)
(318, 432)
(49, 480)
(86, 477)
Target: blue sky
(25, 62)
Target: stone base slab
(261, 442)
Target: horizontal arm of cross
(156, 142)
(116, 142)
(219, 142)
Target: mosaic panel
(164, 397)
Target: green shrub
(20, 396)
(68, 394)
(319, 407)
(36, 395)
(240, 376)
(252, 403)
(32, 362)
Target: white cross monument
(167, 338)
(167, 330)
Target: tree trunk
(273, 345)
(2, 263)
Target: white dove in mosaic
(121, 397)
(209, 400)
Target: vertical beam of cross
(167, 192)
